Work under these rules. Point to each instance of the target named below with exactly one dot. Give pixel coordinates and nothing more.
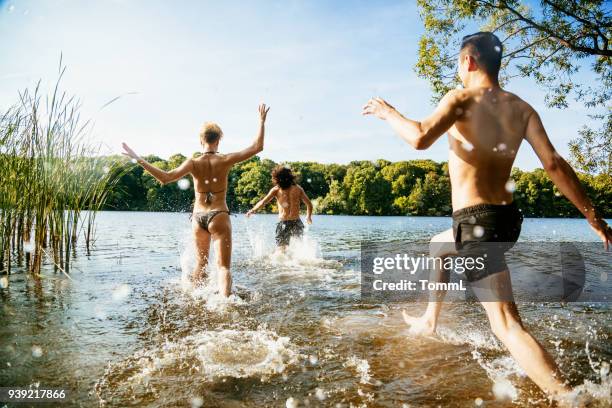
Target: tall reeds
(51, 183)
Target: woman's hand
(309, 220)
(130, 153)
(263, 112)
(249, 213)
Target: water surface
(126, 330)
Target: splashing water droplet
(4, 282)
(37, 351)
(291, 403)
(121, 292)
(28, 246)
(320, 394)
(504, 390)
(501, 147)
(497, 48)
(495, 149)
(313, 360)
(467, 146)
(478, 231)
(105, 169)
(510, 186)
(309, 180)
(214, 179)
(557, 194)
(197, 402)
(604, 276)
(478, 402)
(183, 184)
(472, 220)
(206, 182)
(134, 161)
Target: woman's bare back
(210, 172)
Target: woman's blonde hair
(210, 133)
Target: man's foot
(423, 325)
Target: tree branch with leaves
(553, 42)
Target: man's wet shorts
(487, 231)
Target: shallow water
(127, 330)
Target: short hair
(486, 49)
(283, 177)
(210, 133)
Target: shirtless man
(486, 126)
(289, 196)
(210, 220)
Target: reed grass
(53, 182)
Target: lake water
(127, 330)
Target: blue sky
(178, 64)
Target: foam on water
(474, 337)
(361, 366)
(302, 257)
(213, 354)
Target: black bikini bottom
(203, 218)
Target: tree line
(415, 187)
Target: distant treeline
(416, 187)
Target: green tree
(255, 181)
(430, 196)
(334, 202)
(551, 42)
(368, 193)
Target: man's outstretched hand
(129, 152)
(378, 107)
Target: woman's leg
(221, 229)
(202, 244)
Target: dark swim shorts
(488, 231)
(287, 229)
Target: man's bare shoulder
(519, 103)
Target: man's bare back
(483, 142)
(289, 201)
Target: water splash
(210, 355)
(361, 366)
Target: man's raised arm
(258, 143)
(423, 134)
(564, 177)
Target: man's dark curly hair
(283, 177)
